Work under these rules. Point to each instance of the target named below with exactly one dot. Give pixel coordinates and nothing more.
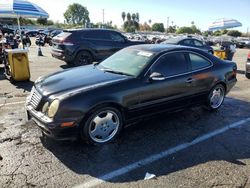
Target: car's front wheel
(248, 75)
(216, 97)
(102, 126)
(83, 58)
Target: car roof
(176, 40)
(159, 48)
(87, 29)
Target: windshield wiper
(115, 72)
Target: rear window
(64, 35)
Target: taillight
(248, 56)
(66, 42)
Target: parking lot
(191, 148)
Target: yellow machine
(17, 65)
(220, 54)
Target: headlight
(45, 107)
(53, 108)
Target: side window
(96, 35)
(198, 62)
(171, 64)
(116, 37)
(187, 43)
(198, 43)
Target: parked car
(96, 101)
(55, 32)
(190, 41)
(32, 33)
(81, 47)
(248, 66)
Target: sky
(180, 12)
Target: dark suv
(82, 47)
(190, 41)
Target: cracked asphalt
(27, 159)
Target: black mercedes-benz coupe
(96, 101)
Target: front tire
(102, 126)
(83, 58)
(248, 75)
(216, 97)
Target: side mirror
(156, 76)
(95, 63)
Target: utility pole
(167, 24)
(103, 17)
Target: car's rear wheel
(248, 75)
(102, 126)
(83, 58)
(216, 97)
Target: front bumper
(51, 128)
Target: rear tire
(102, 126)
(83, 58)
(248, 75)
(216, 97)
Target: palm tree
(129, 17)
(133, 17)
(149, 21)
(123, 16)
(137, 17)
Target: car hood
(75, 80)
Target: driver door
(170, 91)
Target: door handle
(190, 80)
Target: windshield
(127, 61)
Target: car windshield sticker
(146, 54)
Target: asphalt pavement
(191, 148)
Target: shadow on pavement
(2, 77)
(26, 86)
(241, 72)
(160, 134)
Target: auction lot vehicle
(190, 41)
(248, 66)
(82, 47)
(96, 101)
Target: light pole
(167, 24)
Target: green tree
(158, 27)
(133, 17)
(77, 14)
(123, 16)
(149, 21)
(223, 32)
(137, 17)
(42, 21)
(184, 29)
(195, 29)
(145, 27)
(171, 29)
(217, 33)
(129, 17)
(234, 33)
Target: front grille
(34, 98)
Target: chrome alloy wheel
(217, 97)
(104, 126)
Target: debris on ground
(149, 176)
